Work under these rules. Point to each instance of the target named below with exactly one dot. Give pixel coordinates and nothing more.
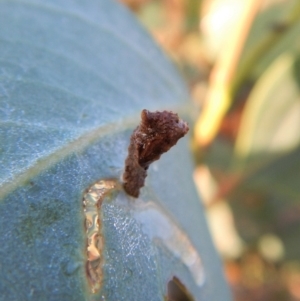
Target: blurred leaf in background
(242, 63)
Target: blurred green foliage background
(241, 60)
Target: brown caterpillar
(156, 134)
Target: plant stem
(219, 96)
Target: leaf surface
(74, 77)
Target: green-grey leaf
(73, 78)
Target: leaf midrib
(77, 145)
